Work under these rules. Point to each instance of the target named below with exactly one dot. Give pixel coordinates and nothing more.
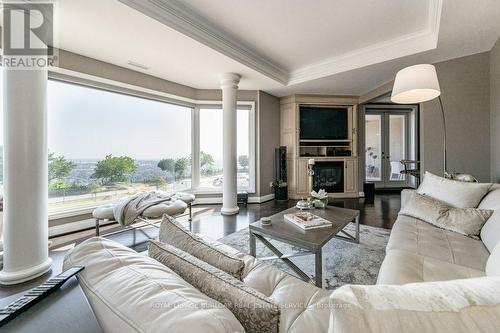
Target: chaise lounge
(173, 204)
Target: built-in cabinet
(299, 152)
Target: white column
(229, 84)
(25, 176)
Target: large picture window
(211, 148)
(105, 145)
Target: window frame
(195, 140)
(194, 105)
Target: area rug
(343, 262)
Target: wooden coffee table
(312, 241)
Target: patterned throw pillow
(255, 311)
(171, 232)
(465, 221)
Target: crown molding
(403, 46)
(175, 15)
(374, 54)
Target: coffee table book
(306, 221)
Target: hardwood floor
(207, 220)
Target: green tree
(206, 159)
(95, 187)
(243, 161)
(167, 164)
(157, 180)
(114, 169)
(61, 186)
(59, 167)
(181, 166)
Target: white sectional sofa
(431, 280)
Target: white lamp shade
(415, 84)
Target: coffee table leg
(319, 268)
(252, 244)
(357, 230)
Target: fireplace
(329, 176)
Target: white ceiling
(297, 33)
(279, 46)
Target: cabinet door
(302, 177)
(351, 176)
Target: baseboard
(262, 199)
(74, 226)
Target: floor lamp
(417, 84)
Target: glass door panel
(387, 142)
(373, 147)
(397, 146)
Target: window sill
(56, 215)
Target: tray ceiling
(280, 46)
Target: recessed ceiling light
(135, 64)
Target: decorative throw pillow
(465, 221)
(171, 232)
(454, 193)
(255, 311)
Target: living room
(163, 162)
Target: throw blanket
(129, 209)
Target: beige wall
(465, 87)
(495, 111)
(269, 137)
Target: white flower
(321, 194)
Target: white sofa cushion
(490, 234)
(415, 236)
(402, 267)
(493, 263)
(130, 292)
(492, 198)
(470, 305)
(454, 193)
(171, 232)
(465, 221)
(255, 311)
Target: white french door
(388, 141)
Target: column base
(9, 278)
(230, 211)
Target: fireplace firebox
(329, 176)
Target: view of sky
(86, 123)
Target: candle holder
(310, 174)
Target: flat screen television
(323, 123)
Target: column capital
(229, 80)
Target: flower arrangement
(321, 196)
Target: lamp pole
(445, 171)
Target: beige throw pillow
(171, 232)
(255, 311)
(465, 221)
(454, 193)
